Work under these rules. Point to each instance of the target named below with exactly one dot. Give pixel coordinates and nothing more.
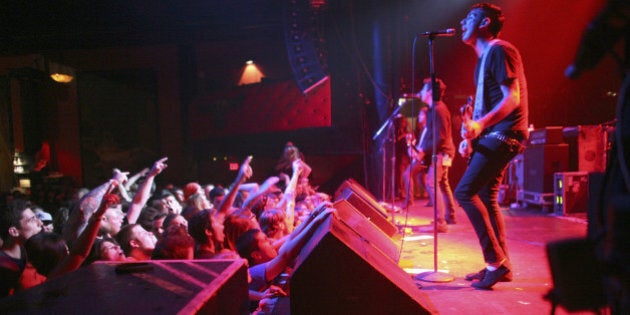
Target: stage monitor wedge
(366, 229)
(361, 199)
(159, 286)
(339, 272)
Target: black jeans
(478, 189)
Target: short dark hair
(175, 244)
(146, 217)
(11, 217)
(198, 224)
(494, 13)
(216, 191)
(45, 251)
(95, 252)
(247, 244)
(164, 193)
(124, 236)
(439, 82)
(169, 218)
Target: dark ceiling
(42, 25)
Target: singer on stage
(498, 130)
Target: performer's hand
(464, 149)
(471, 129)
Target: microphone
(446, 32)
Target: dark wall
(547, 34)
(373, 56)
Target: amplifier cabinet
(571, 192)
(546, 135)
(587, 148)
(540, 163)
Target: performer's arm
(511, 100)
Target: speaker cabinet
(340, 272)
(163, 286)
(366, 229)
(587, 147)
(540, 163)
(362, 200)
(304, 45)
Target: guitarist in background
(442, 195)
(498, 129)
(402, 128)
(416, 173)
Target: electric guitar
(413, 152)
(466, 147)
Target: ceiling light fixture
(61, 73)
(251, 74)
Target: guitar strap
(421, 141)
(478, 107)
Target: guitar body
(466, 146)
(413, 152)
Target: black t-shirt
(10, 271)
(504, 66)
(444, 131)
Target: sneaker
(451, 221)
(491, 278)
(482, 273)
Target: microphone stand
(388, 123)
(435, 275)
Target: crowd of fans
(131, 218)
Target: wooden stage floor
(458, 253)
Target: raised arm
(263, 189)
(244, 173)
(122, 178)
(134, 178)
(84, 209)
(81, 248)
(292, 248)
(288, 198)
(314, 214)
(144, 191)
